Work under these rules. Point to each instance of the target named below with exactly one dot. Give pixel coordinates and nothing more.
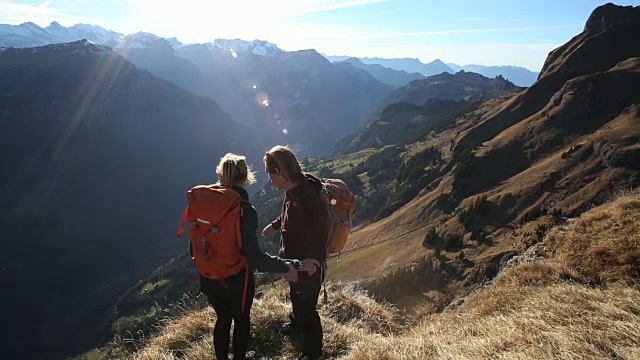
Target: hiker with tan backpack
(222, 227)
(308, 229)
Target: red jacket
(304, 222)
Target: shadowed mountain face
(99, 155)
(408, 112)
(460, 86)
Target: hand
(310, 266)
(291, 275)
(268, 231)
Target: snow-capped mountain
(257, 47)
(141, 40)
(31, 35)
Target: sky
(483, 32)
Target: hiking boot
(287, 328)
(247, 356)
(250, 355)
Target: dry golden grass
(178, 335)
(560, 321)
(582, 302)
(603, 244)
(347, 317)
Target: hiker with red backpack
(223, 242)
(304, 226)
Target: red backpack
(213, 215)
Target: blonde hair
(233, 170)
(281, 160)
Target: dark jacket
(258, 260)
(303, 222)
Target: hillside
(558, 148)
(92, 192)
(575, 294)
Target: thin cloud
(42, 14)
(36, 11)
(312, 9)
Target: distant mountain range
(29, 34)
(298, 97)
(517, 75)
(395, 78)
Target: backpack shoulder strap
(182, 221)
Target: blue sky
(490, 32)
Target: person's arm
(262, 262)
(275, 224)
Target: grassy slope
(574, 295)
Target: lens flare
(255, 87)
(234, 54)
(285, 131)
(262, 99)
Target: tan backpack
(341, 206)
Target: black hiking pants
(225, 296)
(304, 299)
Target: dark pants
(225, 296)
(304, 298)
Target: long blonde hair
(233, 170)
(281, 160)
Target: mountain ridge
(518, 75)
